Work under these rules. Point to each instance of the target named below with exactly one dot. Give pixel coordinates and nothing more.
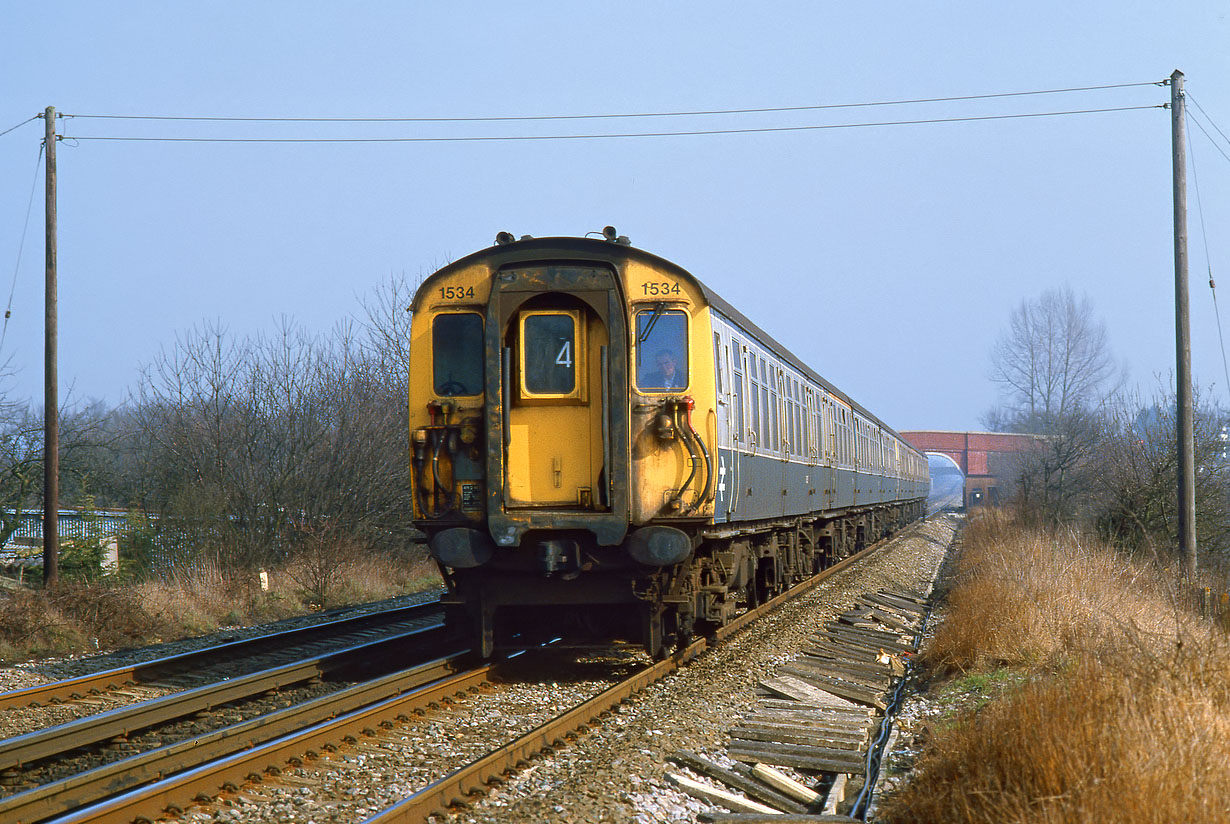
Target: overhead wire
(19, 125)
(1206, 115)
(1201, 127)
(8, 309)
(609, 136)
(1191, 153)
(599, 116)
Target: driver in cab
(667, 375)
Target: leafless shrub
(255, 446)
(1136, 482)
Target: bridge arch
(947, 482)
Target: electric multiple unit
(602, 449)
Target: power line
(8, 310)
(492, 119)
(19, 125)
(1208, 259)
(488, 138)
(1212, 122)
(1199, 126)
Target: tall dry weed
(1033, 598)
(189, 601)
(1124, 713)
(1111, 740)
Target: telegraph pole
(1183, 338)
(51, 404)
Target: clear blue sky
(888, 258)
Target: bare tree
(1053, 361)
(21, 467)
(1055, 372)
(386, 324)
(263, 449)
(85, 451)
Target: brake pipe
(703, 492)
(685, 430)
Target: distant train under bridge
(985, 461)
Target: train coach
(603, 450)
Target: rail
(229, 771)
(456, 786)
(63, 738)
(77, 791)
(149, 671)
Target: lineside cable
(875, 752)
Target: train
(603, 451)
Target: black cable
(19, 125)
(875, 752)
(606, 116)
(490, 138)
(8, 310)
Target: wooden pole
(1183, 341)
(51, 405)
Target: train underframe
(564, 586)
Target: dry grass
(85, 617)
(1123, 714)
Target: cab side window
(457, 354)
(661, 350)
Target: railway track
(385, 711)
(213, 663)
(54, 769)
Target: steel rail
(90, 787)
(175, 793)
(456, 786)
(117, 723)
(119, 677)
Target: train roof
(591, 249)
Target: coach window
(799, 419)
(776, 424)
(792, 417)
(549, 352)
(766, 421)
(661, 350)
(754, 400)
(736, 363)
(457, 354)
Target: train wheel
(653, 631)
(671, 639)
(765, 583)
(751, 594)
(484, 632)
